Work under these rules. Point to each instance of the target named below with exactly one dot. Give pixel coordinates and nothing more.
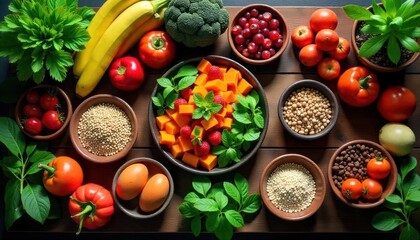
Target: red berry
(179, 101)
(214, 138)
(185, 131)
(186, 93)
(219, 99)
(202, 149)
(214, 73)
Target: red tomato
(32, 110)
(329, 68)
(157, 49)
(302, 36)
(48, 101)
(323, 18)
(310, 55)
(351, 189)
(32, 96)
(372, 189)
(342, 50)
(378, 168)
(33, 126)
(326, 40)
(52, 120)
(396, 103)
(126, 73)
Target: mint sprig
(221, 207)
(205, 106)
(404, 202)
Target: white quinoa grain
(291, 187)
(104, 129)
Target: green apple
(397, 138)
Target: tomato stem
(121, 70)
(88, 209)
(364, 82)
(158, 43)
(50, 170)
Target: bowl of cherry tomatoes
(43, 112)
(258, 34)
(362, 173)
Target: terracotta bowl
(220, 61)
(65, 107)
(283, 28)
(83, 107)
(318, 177)
(388, 184)
(308, 83)
(131, 207)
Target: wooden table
(334, 219)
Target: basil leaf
(212, 221)
(186, 82)
(224, 231)
(206, 205)
(222, 160)
(196, 225)
(191, 197)
(241, 184)
(232, 191)
(167, 91)
(219, 149)
(409, 232)
(201, 184)
(158, 100)
(393, 198)
(234, 218)
(386, 221)
(356, 12)
(407, 166)
(39, 157)
(186, 70)
(251, 203)
(242, 117)
(242, 101)
(221, 199)
(36, 202)
(12, 166)
(187, 210)
(12, 137)
(13, 207)
(164, 82)
(259, 120)
(252, 134)
(254, 94)
(413, 196)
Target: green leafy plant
(220, 207)
(169, 88)
(402, 203)
(41, 35)
(395, 24)
(205, 106)
(24, 190)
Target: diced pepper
(200, 90)
(176, 151)
(216, 85)
(244, 86)
(185, 144)
(201, 79)
(207, 124)
(172, 127)
(186, 109)
(162, 120)
(204, 66)
(166, 138)
(190, 159)
(209, 161)
(181, 119)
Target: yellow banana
(112, 39)
(153, 23)
(100, 22)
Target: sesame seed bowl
(103, 128)
(292, 187)
(308, 109)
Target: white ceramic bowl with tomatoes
(43, 112)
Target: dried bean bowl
(350, 160)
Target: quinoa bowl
(292, 187)
(103, 128)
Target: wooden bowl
(388, 185)
(131, 207)
(220, 61)
(83, 107)
(65, 107)
(283, 28)
(318, 177)
(308, 83)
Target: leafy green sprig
(219, 207)
(24, 191)
(41, 35)
(170, 88)
(205, 106)
(402, 203)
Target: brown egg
(154, 193)
(131, 181)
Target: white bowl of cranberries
(43, 112)
(258, 34)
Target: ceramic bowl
(93, 101)
(246, 74)
(317, 175)
(131, 207)
(308, 83)
(388, 184)
(65, 107)
(283, 29)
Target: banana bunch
(117, 26)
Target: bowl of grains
(292, 187)
(308, 109)
(350, 163)
(103, 128)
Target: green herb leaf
(196, 226)
(164, 82)
(39, 157)
(186, 70)
(36, 202)
(225, 230)
(221, 199)
(408, 165)
(251, 203)
(413, 196)
(356, 12)
(393, 50)
(12, 137)
(234, 218)
(259, 120)
(206, 205)
(232, 191)
(242, 117)
(212, 221)
(201, 184)
(393, 198)
(386, 221)
(13, 207)
(252, 134)
(158, 100)
(409, 233)
(186, 82)
(191, 197)
(408, 42)
(187, 210)
(373, 45)
(241, 184)
(12, 166)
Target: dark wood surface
(332, 218)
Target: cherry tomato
(396, 103)
(329, 68)
(323, 18)
(33, 126)
(352, 189)
(157, 49)
(310, 55)
(32, 110)
(326, 40)
(52, 120)
(302, 36)
(48, 101)
(372, 189)
(32, 96)
(342, 50)
(378, 168)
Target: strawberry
(214, 138)
(219, 99)
(185, 131)
(202, 149)
(186, 93)
(179, 101)
(214, 73)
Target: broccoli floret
(196, 23)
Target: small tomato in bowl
(157, 49)
(126, 73)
